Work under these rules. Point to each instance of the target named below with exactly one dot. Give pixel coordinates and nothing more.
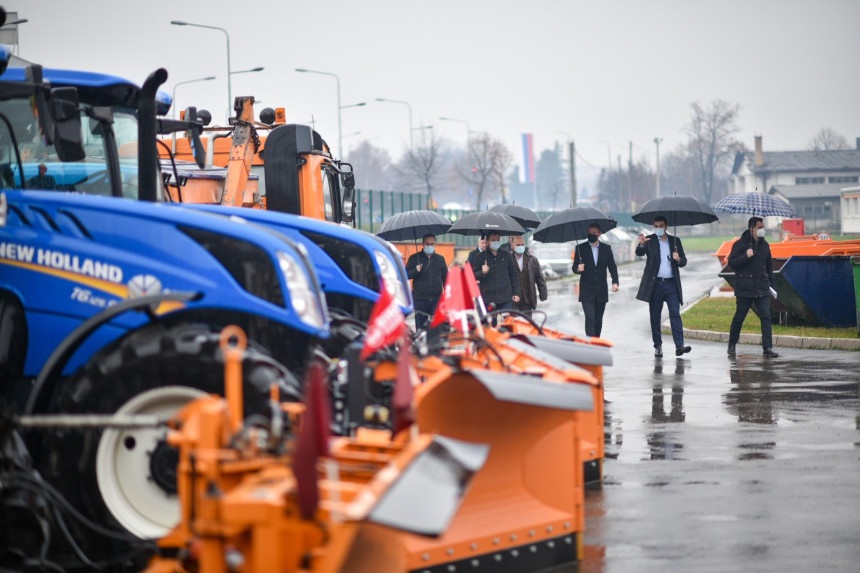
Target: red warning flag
(401, 401)
(386, 324)
(313, 441)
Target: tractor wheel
(127, 477)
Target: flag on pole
(401, 400)
(453, 300)
(312, 442)
(528, 159)
(386, 323)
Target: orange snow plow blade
(524, 508)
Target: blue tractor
(111, 306)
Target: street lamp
(339, 129)
(177, 84)
(259, 69)
(229, 87)
(468, 129)
(175, 107)
(407, 104)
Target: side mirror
(194, 135)
(349, 205)
(65, 132)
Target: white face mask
(760, 233)
(520, 249)
(660, 232)
(429, 249)
(495, 245)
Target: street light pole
(407, 104)
(177, 84)
(229, 73)
(658, 141)
(173, 102)
(258, 69)
(468, 129)
(339, 129)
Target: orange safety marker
(233, 343)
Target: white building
(851, 209)
(811, 181)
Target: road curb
(782, 341)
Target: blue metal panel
(825, 285)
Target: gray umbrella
(485, 223)
(522, 215)
(413, 225)
(572, 225)
(678, 210)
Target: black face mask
(591, 237)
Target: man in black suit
(661, 282)
(591, 260)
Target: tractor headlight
(303, 298)
(391, 278)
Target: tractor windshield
(42, 168)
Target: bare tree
(487, 162)
(711, 131)
(372, 166)
(828, 140)
(421, 167)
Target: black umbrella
(572, 225)
(522, 215)
(413, 225)
(485, 223)
(678, 210)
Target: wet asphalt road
(718, 464)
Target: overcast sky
(598, 70)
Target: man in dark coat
(497, 275)
(591, 260)
(42, 180)
(476, 252)
(753, 265)
(528, 271)
(661, 282)
(428, 271)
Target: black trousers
(593, 311)
(762, 307)
(424, 312)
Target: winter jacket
(651, 248)
(533, 277)
(429, 283)
(753, 275)
(501, 283)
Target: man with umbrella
(528, 271)
(591, 260)
(751, 260)
(428, 271)
(661, 282)
(497, 273)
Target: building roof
(837, 160)
(832, 190)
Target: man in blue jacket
(428, 271)
(661, 282)
(753, 265)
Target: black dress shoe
(679, 350)
(769, 353)
(658, 352)
(731, 349)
